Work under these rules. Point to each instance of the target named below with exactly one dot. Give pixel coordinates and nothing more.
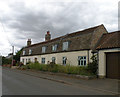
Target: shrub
(59, 68)
(93, 66)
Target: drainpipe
(88, 56)
(98, 63)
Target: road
(17, 83)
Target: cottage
(74, 48)
(77, 48)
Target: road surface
(17, 83)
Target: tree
(17, 56)
(6, 61)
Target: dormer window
(65, 46)
(23, 52)
(43, 49)
(30, 52)
(54, 47)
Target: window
(65, 46)
(36, 60)
(23, 52)
(29, 60)
(53, 59)
(23, 61)
(43, 61)
(64, 60)
(43, 49)
(30, 52)
(54, 47)
(26, 60)
(82, 60)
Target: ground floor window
(82, 60)
(22, 60)
(53, 59)
(29, 60)
(26, 60)
(36, 60)
(43, 61)
(64, 60)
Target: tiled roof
(85, 31)
(109, 40)
(81, 40)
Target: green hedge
(68, 69)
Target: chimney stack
(29, 42)
(48, 36)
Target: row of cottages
(75, 49)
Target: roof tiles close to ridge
(109, 40)
(81, 40)
(85, 31)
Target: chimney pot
(48, 36)
(48, 32)
(29, 42)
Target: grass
(68, 69)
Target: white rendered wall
(102, 61)
(72, 57)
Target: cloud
(25, 19)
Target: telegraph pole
(12, 54)
(0, 60)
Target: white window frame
(26, 60)
(65, 45)
(43, 61)
(23, 61)
(82, 61)
(30, 51)
(43, 49)
(23, 52)
(53, 59)
(64, 60)
(54, 47)
(29, 60)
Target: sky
(23, 19)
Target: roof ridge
(106, 40)
(67, 35)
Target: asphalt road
(16, 83)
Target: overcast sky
(23, 19)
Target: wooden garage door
(113, 65)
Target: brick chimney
(29, 42)
(48, 36)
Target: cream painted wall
(102, 61)
(72, 57)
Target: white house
(75, 48)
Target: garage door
(113, 65)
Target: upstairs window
(64, 60)
(65, 46)
(43, 49)
(23, 52)
(54, 47)
(53, 59)
(30, 52)
(82, 60)
(43, 61)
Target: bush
(59, 68)
(93, 66)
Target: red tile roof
(109, 40)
